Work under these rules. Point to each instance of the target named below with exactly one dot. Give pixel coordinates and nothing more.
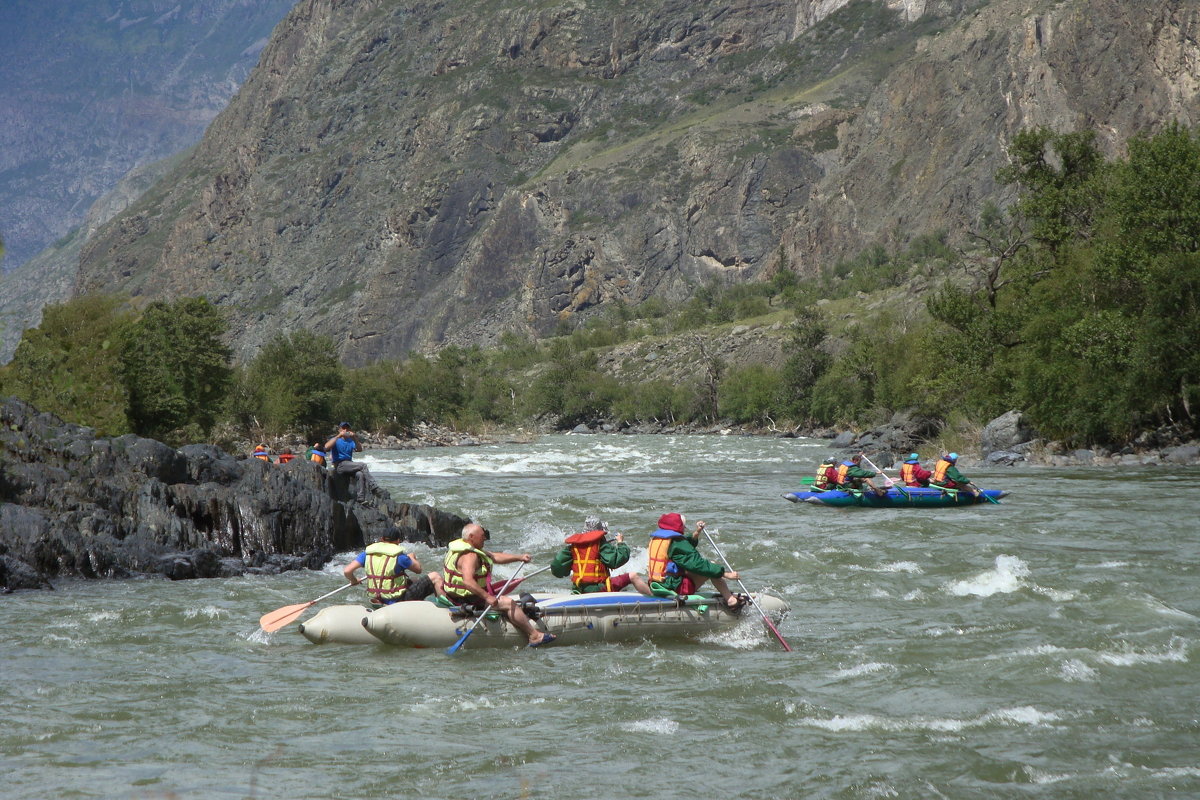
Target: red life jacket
(286, 457)
(586, 566)
(826, 475)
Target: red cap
(671, 522)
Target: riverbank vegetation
(1080, 304)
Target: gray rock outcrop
(1007, 432)
(74, 504)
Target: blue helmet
(952, 457)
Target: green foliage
(176, 368)
(293, 384)
(750, 394)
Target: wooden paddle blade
(274, 620)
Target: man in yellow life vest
(589, 558)
(387, 567)
(467, 570)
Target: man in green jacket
(589, 558)
(676, 564)
(947, 476)
(851, 476)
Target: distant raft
(911, 497)
(572, 618)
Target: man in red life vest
(912, 473)
(589, 558)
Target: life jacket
(285, 457)
(317, 455)
(454, 584)
(843, 477)
(908, 473)
(586, 566)
(939, 473)
(661, 564)
(826, 474)
(261, 454)
(383, 584)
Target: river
(1040, 648)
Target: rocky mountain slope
(93, 88)
(402, 175)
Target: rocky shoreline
(1007, 440)
(76, 505)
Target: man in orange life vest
(913, 474)
(851, 476)
(947, 476)
(589, 557)
(677, 566)
(467, 570)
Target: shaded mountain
(403, 175)
(93, 88)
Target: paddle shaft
(753, 602)
(890, 482)
(452, 649)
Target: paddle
(454, 648)
(274, 620)
(886, 477)
(753, 602)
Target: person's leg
(418, 588)
(516, 615)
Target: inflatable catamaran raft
(573, 618)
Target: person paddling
(467, 569)
(387, 567)
(589, 558)
(947, 476)
(676, 566)
(826, 477)
(912, 473)
(851, 476)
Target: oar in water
(753, 602)
(454, 648)
(274, 620)
(886, 477)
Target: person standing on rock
(342, 448)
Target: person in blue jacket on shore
(342, 448)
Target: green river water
(1042, 648)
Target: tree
(70, 364)
(176, 368)
(294, 383)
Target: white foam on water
(915, 594)
(880, 594)
(910, 567)
(1159, 607)
(207, 612)
(102, 616)
(258, 636)
(863, 669)
(1059, 595)
(1008, 576)
(1075, 671)
(658, 725)
(1026, 716)
(1112, 565)
(1176, 652)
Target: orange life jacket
(842, 477)
(262, 455)
(939, 470)
(586, 566)
(660, 561)
(908, 474)
(317, 456)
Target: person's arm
(413, 566)
(351, 568)
(560, 565)
(689, 559)
(509, 558)
(329, 444)
(614, 554)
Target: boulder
(74, 504)
(1005, 432)
(1184, 454)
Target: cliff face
(91, 89)
(398, 175)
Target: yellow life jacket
(586, 566)
(906, 474)
(454, 584)
(939, 470)
(383, 584)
